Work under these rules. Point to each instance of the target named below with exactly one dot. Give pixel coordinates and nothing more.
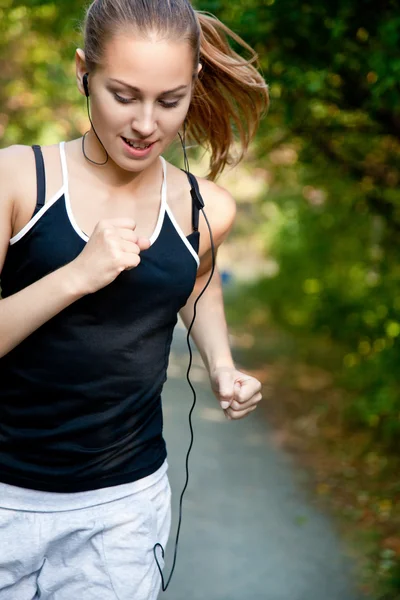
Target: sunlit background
(311, 269)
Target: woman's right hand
(112, 248)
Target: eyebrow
(135, 89)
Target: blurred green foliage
(329, 149)
(38, 101)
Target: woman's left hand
(237, 393)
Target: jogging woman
(102, 244)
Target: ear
(80, 69)
(199, 68)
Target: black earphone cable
(158, 545)
(86, 87)
(196, 196)
(200, 204)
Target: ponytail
(230, 95)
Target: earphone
(86, 84)
(85, 81)
(199, 202)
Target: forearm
(210, 330)
(24, 312)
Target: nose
(144, 122)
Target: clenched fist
(112, 248)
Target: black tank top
(80, 398)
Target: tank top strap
(197, 199)
(40, 177)
(164, 184)
(64, 166)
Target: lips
(138, 144)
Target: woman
(93, 277)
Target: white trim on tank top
(36, 218)
(64, 190)
(163, 208)
(68, 206)
(184, 238)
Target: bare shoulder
(14, 153)
(13, 162)
(219, 204)
(220, 207)
(12, 172)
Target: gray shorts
(101, 552)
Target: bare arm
(112, 248)
(237, 392)
(26, 311)
(210, 331)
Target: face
(140, 94)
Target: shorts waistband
(18, 498)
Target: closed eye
(163, 103)
(169, 104)
(121, 99)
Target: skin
(117, 204)
(153, 66)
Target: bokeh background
(311, 269)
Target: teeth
(136, 145)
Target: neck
(111, 174)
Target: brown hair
(230, 96)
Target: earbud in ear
(86, 84)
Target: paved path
(248, 532)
